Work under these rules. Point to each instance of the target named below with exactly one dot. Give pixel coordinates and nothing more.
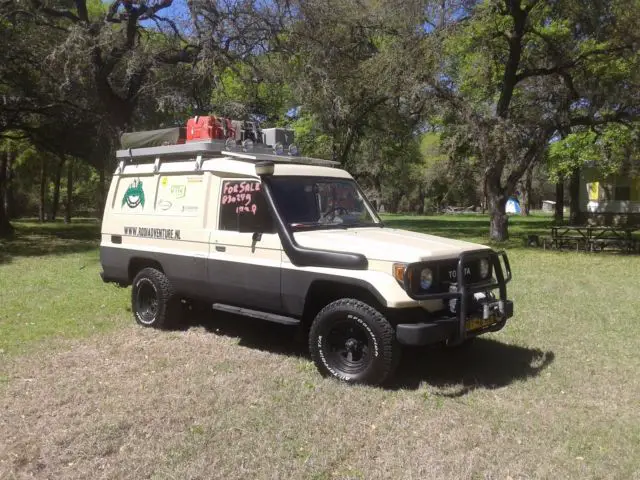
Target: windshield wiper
(363, 224)
(323, 226)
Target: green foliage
(239, 93)
(497, 81)
(310, 138)
(610, 150)
(97, 9)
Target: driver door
(244, 266)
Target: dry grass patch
(86, 394)
(196, 404)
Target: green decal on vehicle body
(134, 195)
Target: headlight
(426, 276)
(484, 268)
(426, 279)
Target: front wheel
(353, 342)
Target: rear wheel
(153, 301)
(353, 342)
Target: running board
(270, 317)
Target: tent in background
(513, 206)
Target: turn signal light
(398, 272)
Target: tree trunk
(69, 203)
(485, 194)
(56, 190)
(43, 185)
(421, 198)
(559, 214)
(101, 190)
(499, 224)
(6, 228)
(526, 192)
(9, 204)
(394, 203)
(574, 193)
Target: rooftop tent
(153, 138)
(513, 206)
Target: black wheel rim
(347, 347)
(146, 302)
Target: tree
(337, 56)
(5, 226)
(69, 200)
(507, 76)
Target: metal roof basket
(246, 151)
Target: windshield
(313, 202)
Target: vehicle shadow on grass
(32, 238)
(486, 364)
(250, 332)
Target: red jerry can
(204, 128)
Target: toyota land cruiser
(285, 238)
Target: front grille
(445, 274)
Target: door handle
(220, 248)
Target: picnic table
(595, 238)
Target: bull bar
(431, 332)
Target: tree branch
(55, 13)
(621, 116)
(187, 55)
(531, 6)
(558, 69)
(509, 78)
(157, 19)
(81, 7)
(530, 156)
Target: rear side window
(243, 207)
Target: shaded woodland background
(430, 104)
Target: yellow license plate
(476, 323)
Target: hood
(386, 244)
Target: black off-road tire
(370, 353)
(153, 300)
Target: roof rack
(273, 157)
(172, 151)
(246, 151)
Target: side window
(243, 207)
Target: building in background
(612, 199)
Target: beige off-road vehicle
(294, 240)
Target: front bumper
(488, 315)
(446, 329)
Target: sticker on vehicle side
(164, 204)
(147, 232)
(134, 195)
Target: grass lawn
(85, 393)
